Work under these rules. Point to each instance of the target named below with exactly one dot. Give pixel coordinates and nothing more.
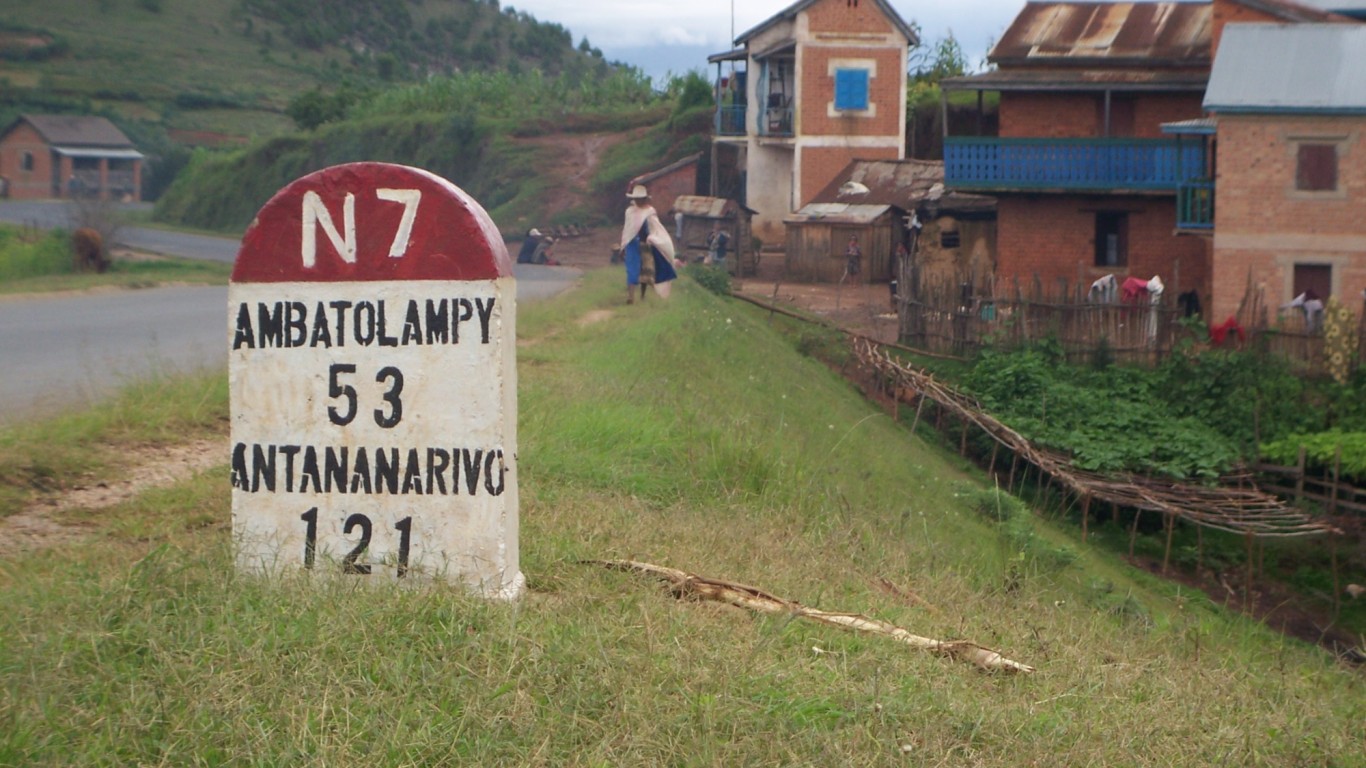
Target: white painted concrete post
(372, 338)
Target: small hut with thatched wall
(694, 216)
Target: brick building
(811, 89)
(1085, 179)
(60, 156)
(1289, 103)
(1104, 159)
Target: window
(949, 238)
(1112, 239)
(26, 163)
(1316, 168)
(851, 89)
(1313, 279)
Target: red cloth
(1228, 332)
(1133, 289)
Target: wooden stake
(1337, 589)
(1085, 515)
(1133, 532)
(1171, 527)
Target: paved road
(71, 350)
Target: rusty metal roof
(1165, 34)
(904, 184)
(76, 131)
(837, 213)
(707, 207)
(1074, 79)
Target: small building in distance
(694, 218)
(64, 156)
(874, 200)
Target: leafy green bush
(1109, 420)
(224, 190)
(20, 256)
(713, 278)
(1321, 451)
(1243, 396)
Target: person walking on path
(853, 258)
(646, 247)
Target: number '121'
(357, 520)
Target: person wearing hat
(529, 245)
(646, 247)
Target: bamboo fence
(961, 317)
(1241, 509)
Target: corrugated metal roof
(1335, 6)
(1289, 68)
(707, 207)
(109, 154)
(904, 184)
(1081, 80)
(837, 213)
(78, 131)
(1200, 126)
(1307, 11)
(1153, 34)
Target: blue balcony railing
(1195, 205)
(730, 121)
(1070, 164)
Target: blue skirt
(664, 271)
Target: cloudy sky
(663, 36)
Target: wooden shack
(957, 240)
(693, 217)
(818, 240)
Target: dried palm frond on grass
(684, 585)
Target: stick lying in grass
(686, 585)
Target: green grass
(35, 262)
(51, 455)
(126, 274)
(689, 434)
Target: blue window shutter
(851, 89)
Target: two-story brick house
(1085, 180)
(1104, 159)
(1289, 103)
(814, 87)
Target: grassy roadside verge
(689, 434)
(126, 274)
(41, 262)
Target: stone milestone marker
(373, 380)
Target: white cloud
(640, 24)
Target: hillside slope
(226, 69)
(691, 434)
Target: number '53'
(339, 387)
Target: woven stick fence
(1239, 510)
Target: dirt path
(40, 526)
